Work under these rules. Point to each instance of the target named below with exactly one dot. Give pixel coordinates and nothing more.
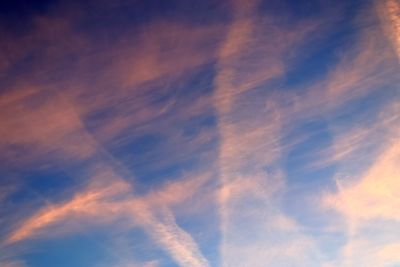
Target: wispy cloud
(110, 201)
(375, 194)
(255, 231)
(389, 11)
(12, 264)
(51, 120)
(369, 203)
(83, 96)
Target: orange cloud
(50, 117)
(369, 252)
(371, 201)
(91, 203)
(109, 199)
(253, 228)
(12, 264)
(363, 70)
(42, 114)
(168, 49)
(175, 192)
(388, 254)
(389, 11)
(376, 194)
(42, 123)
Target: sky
(213, 133)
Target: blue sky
(241, 133)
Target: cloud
(360, 74)
(6, 190)
(255, 231)
(107, 201)
(84, 94)
(12, 264)
(174, 192)
(41, 123)
(90, 203)
(368, 252)
(251, 127)
(168, 234)
(51, 119)
(375, 195)
(53, 101)
(361, 70)
(368, 201)
(388, 254)
(389, 11)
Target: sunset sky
(200, 133)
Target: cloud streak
(369, 203)
(390, 15)
(255, 231)
(172, 96)
(110, 202)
